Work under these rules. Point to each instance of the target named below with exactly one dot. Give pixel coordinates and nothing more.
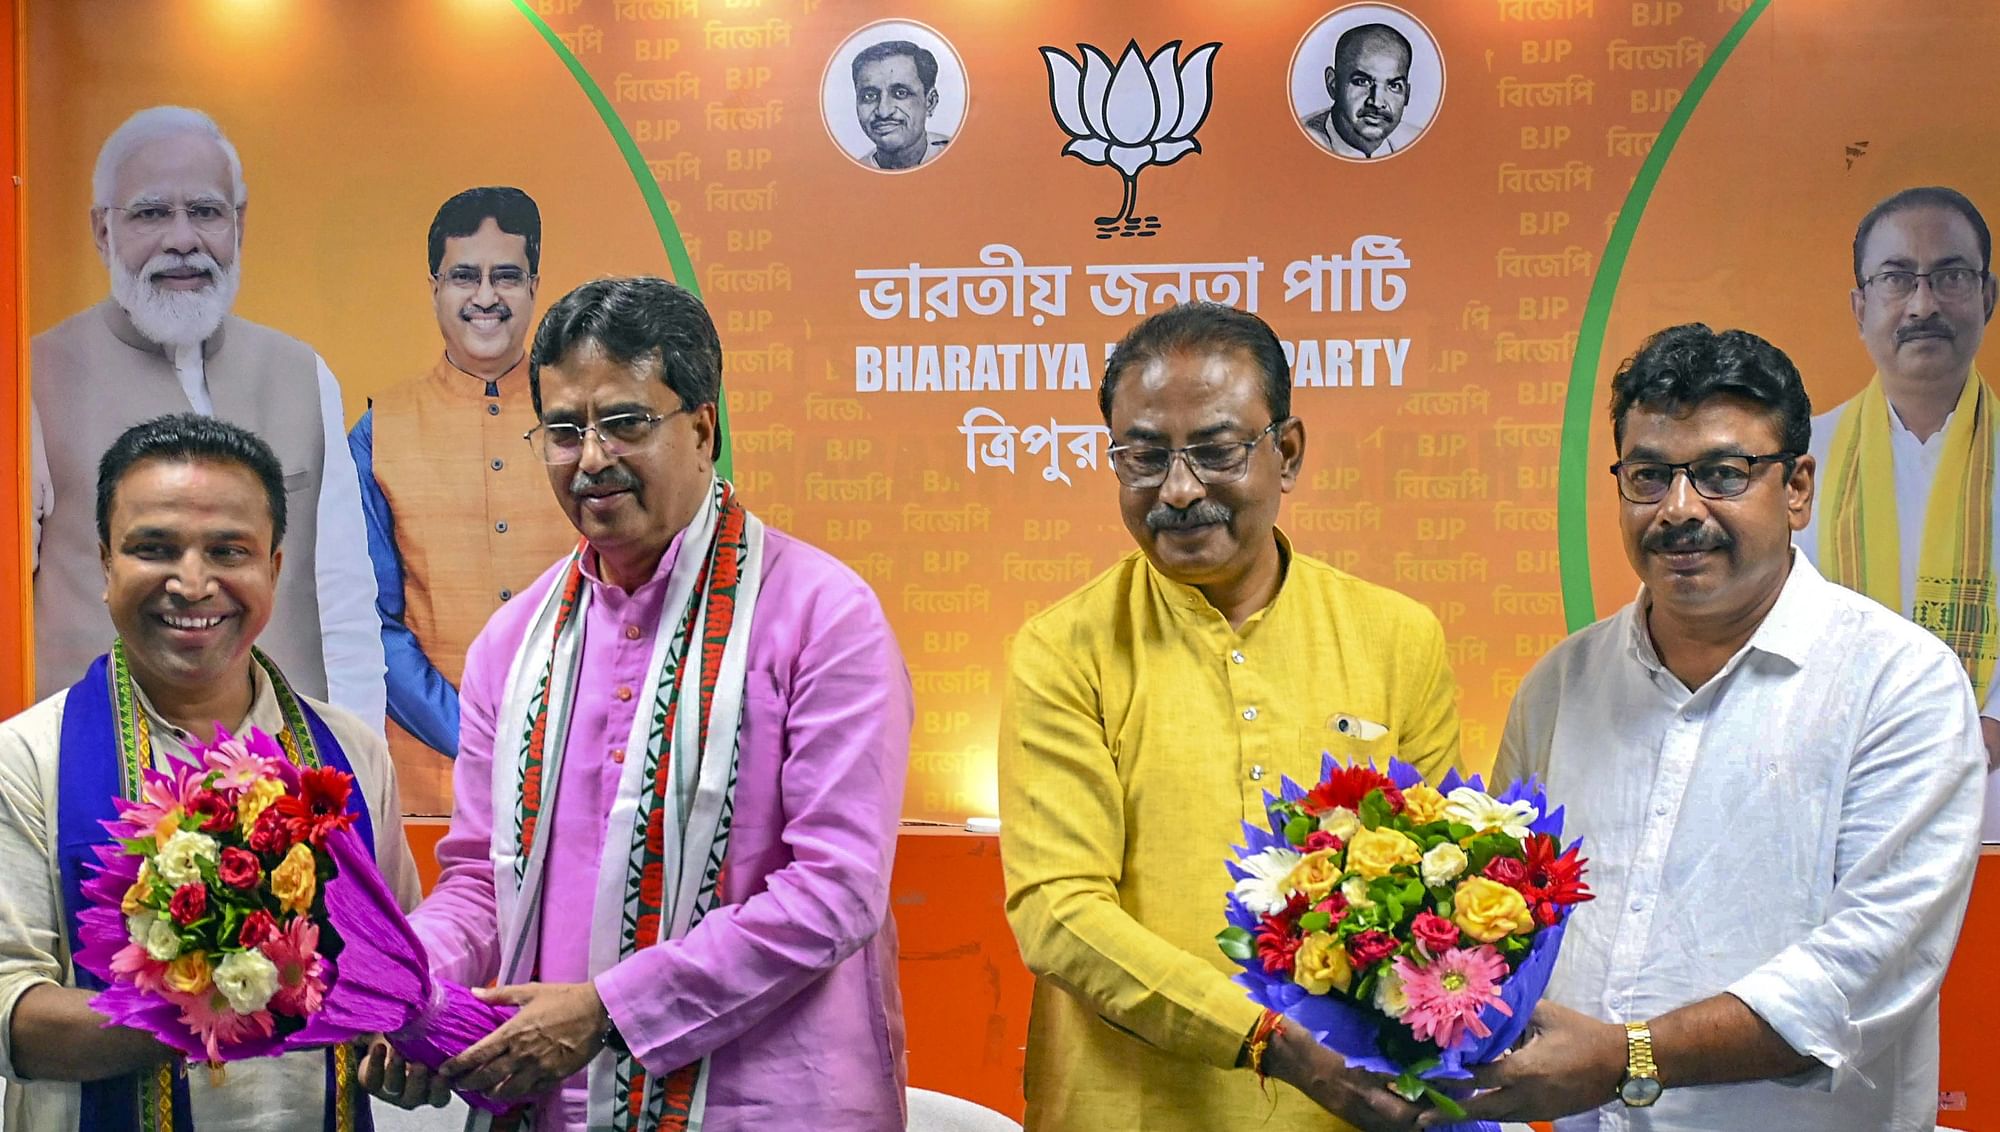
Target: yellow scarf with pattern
(1859, 540)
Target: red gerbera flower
(1554, 881)
(320, 806)
(1346, 786)
(1277, 937)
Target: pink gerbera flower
(134, 965)
(209, 1017)
(301, 971)
(236, 766)
(1447, 994)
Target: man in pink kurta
(788, 986)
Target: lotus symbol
(1140, 112)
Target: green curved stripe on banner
(656, 202)
(1572, 516)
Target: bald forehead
(1353, 46)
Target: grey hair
(150, 125)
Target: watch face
(1639, 1092)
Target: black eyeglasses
(1142, 465)
(1712, 477)
(1948, 283)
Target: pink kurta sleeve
(458, 920)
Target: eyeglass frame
(584, 432)
(1675, 471)
(231, 212)
(1180, 455)
(1979, 277)
(443, 278)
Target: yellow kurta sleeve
(1062, 843)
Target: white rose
(1263, 891)
(1390, 997)
(1340, 821)
(1443, 864)
(247, 980)
(1355, 889)
(178, 861)
(163, 942)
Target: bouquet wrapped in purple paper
(235, 914)
(1409, 927)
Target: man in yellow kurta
(1146, 715)
(457, 504)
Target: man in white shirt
(167, 215)
(1777, 782)
(1923, 294)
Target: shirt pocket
(1355, 737)
(298, 480)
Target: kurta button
(499, 464)
(1257, 773)
(631, 632)
(501, 526)
(1249, 713)
(505, 594)
(1236, 657)
(617, 754)
(623, 693)
(492, 409)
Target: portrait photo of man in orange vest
(457, 506)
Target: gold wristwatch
(1641, 1086)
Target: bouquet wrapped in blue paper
(1409, 927)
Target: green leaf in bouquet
(1236, 943)
(1394, 908)
(1485, 848)
(1514, 945)
(1375, 810)
(1298, 829)
(1459, 831)
(1409, 1086)
(1364, 987)
(1444, 1103)
(1444, 906)
(1315, 922)
(139, 846)
(1412, 892)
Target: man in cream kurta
(191, 556)
(167, 211)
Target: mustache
(1201, 513)
(1680, 540)
(472, 310)
(612, 478)
(173, 261)
(1933, 327)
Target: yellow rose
(135, 896)
(1315, 875)
(255, 799)
(1489, 911)
(1321, 965)
(188, 973)
(1422, 804)
(1373, 852)
(166, 827)
(294, 881)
